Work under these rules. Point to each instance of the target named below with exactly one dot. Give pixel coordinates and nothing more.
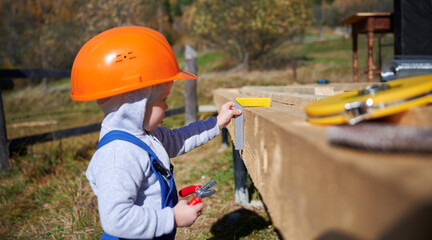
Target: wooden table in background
(367, 23)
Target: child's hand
(185, 215)
(227, 111)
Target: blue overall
(164, 176)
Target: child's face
(155, 111)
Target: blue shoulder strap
(122, 135)
(156, 166)
(164, 176)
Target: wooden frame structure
(315, 190)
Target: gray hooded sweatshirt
(127, 190)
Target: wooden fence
(8, 147)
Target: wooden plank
(33, 124)
(363, 15)
(17, 144)
(299, 96)
(314, 190)
(35, 73)
(382, 24)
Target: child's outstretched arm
(184, 139)
(226, 113)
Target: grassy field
(46, 195)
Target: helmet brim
(182, 75)
(185, 75)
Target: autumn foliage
(49, 33)
(248, 29)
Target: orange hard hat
(123, 59)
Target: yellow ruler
(254, 102)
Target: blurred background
(47, 34)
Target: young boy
(130, 71)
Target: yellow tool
(254, 102)
(239, 104)
(372, 102)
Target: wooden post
(3, 140)
(355, 57)
(224, 134)
(240, 179)
(370, 37)
(246, 62)
(190, 86)
(379, 52)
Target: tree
(248, 30)
(95, 16)
(48, 34)
(37, 34)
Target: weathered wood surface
(314, 190)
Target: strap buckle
(162, 169)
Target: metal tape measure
(372, 102)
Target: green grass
(328, 46)
(210, 61)
(46, 194)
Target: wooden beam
(314, 190)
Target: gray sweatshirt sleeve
(116, 175)
(182, 140)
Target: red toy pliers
(201, 192)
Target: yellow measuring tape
(372, 102)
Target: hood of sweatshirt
(126, 111)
